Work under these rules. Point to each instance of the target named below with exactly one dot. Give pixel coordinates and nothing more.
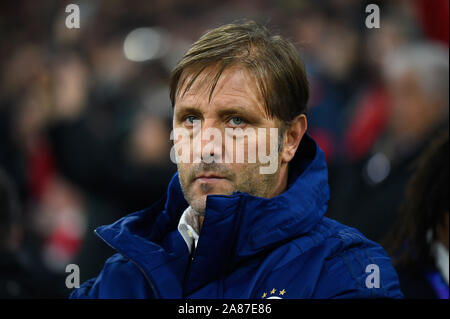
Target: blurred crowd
(85, 115)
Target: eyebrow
(239, 110)
(183, 110)
(253, 118)
(236, 110)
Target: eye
(190, 119)
(236, 121)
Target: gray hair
(430, 62)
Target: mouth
(209, 178)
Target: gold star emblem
(264, 295)
(273, 291)
(282, 292)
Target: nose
(209, 142)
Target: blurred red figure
(400, 122)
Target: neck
(200, 221)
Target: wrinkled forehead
(217, 84)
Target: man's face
(235, 103)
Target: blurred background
(85, 114)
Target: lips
(209, 178)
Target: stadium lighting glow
(143, 44)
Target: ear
(292, 137)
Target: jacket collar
(235, 227)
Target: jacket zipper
(190, 264)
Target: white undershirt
(189, 228)
(441, 259)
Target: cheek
(246, 176)
(183, 173)
(181, 148)
(246, 150)
(243, 149)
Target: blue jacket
(249, 247)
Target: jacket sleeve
(359, 272)
(120, 278)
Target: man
(240, 229)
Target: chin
(199, 205)
(222, 187)
(198, 201)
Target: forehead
(236, 85)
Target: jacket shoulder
(355, 267)
(119, 278)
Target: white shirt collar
(441, 259)
(189, 228)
